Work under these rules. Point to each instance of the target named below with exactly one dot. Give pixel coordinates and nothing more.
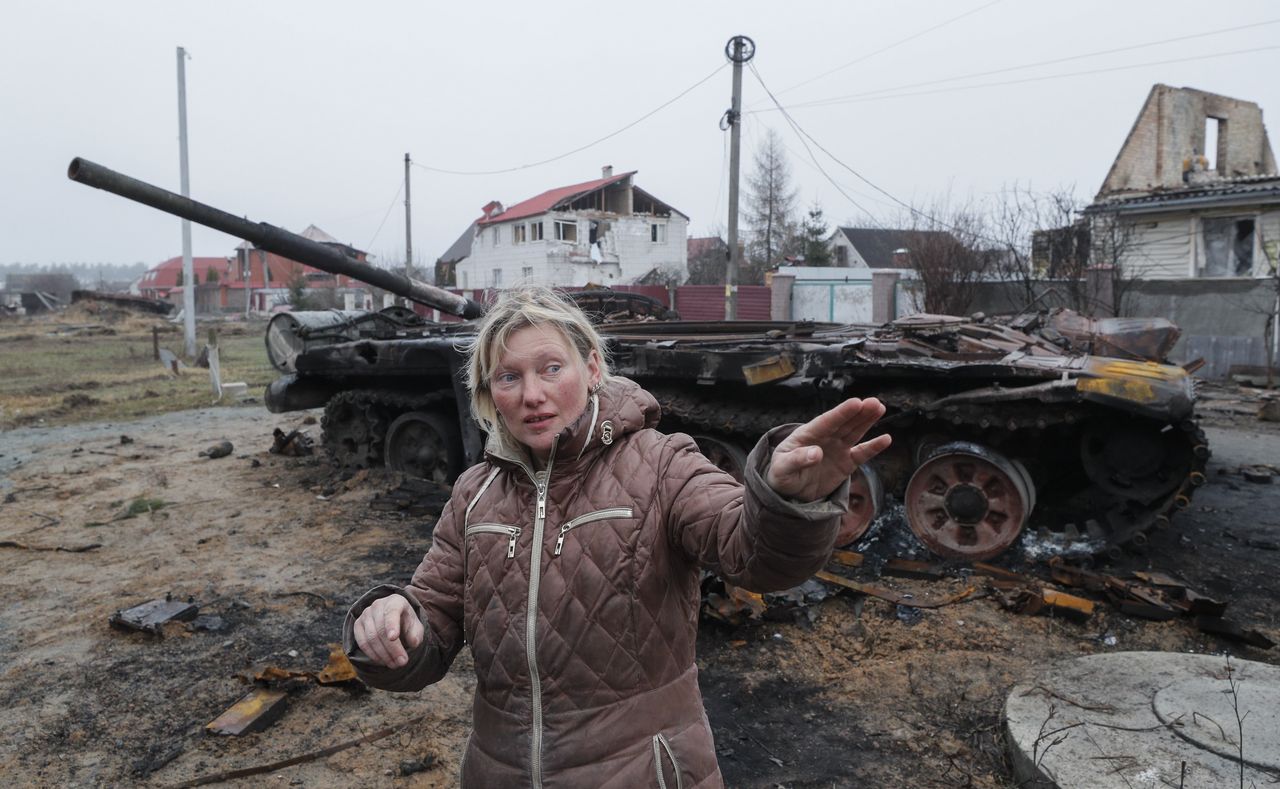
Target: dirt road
(849, 692)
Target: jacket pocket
(512, 532)
(662, 753)
(478, 532)
(591, 517)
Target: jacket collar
(619, 408)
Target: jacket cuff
(837, 503)
(372, 673)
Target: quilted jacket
(577, 589)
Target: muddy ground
(848, 692)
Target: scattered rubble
(218, 450)
(295, 443)
(153, 615)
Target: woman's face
(539, 386)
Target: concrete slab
(1132, 720)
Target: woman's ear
(594, 370)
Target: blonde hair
(526, 305)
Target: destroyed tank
(1073, 430)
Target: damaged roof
(553, 198)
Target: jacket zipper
(496, 528)
(660, 744)
(590, 517)
(542, 480)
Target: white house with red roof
(602, 232)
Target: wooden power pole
(739, 50)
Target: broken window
(658, 233)
(566, 231)
(1215, 140)
(1228, 247)
(517, 234)
(535, 231)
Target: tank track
(355, 423)
(1111, 521)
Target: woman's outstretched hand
(386, 628)
(820, 454)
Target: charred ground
(847, 692)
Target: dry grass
(84, 365)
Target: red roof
(165, 275)
(551, 198)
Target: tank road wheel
(968, 502)
(725, 455)
(424, 444)
(866, 494)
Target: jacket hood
(620, 407)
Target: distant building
(873, 247)
(604, 232)
(253, 279)
(1194, 191)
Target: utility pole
(188, 268)
(408, 233)
(739, 50)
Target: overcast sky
(301, 112)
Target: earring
(596, 387)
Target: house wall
(840, 241)
(1170, 131)
(1170, 245)
(627, 252)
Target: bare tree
(770, 213)
(944, 248)
(1039, 237)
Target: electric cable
(957, 88)
(385, 216)
(1036, 64)
(580, 148)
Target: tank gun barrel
(270, 238)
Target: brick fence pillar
(780, 297)
(884, 296)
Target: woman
(569, 560)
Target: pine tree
(815, 232)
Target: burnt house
(1194, 191)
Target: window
(526, 273)
(535, 231)
(1228, 246)
(464, 279)
(658, 233)
(497, 278)
(517, 234)
(566, 231)
(842, 256)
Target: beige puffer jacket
(577, 588)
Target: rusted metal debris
(151, 616)
(337, 671)
(295, 443)
(255, 711)
(893, 596)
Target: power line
(888, 47)
(399, 189)
(581, 148)
(800, 133)
(1036, 64)
(832, 102)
